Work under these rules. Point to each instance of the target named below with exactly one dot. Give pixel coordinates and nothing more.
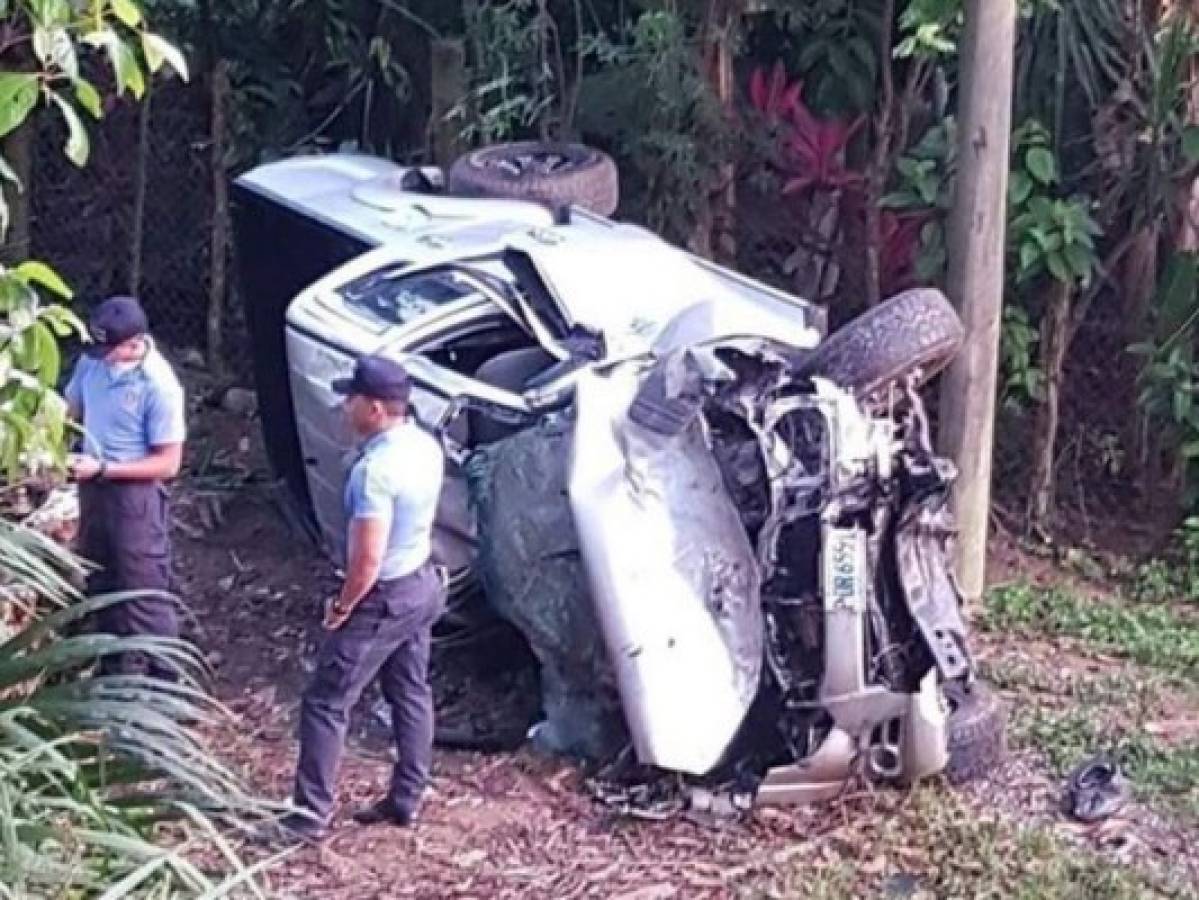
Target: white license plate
(843, 566)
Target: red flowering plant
(811, 150)
(809, 156)
(899, 247)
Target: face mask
(117, 369)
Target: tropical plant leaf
(18, 96)
(89, 765)
(158, 51)
(78, 145)
(1190, 143)
(1041, 165)
(127, 12)
(34, 272)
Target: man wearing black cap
(130, 405)
(380, 622)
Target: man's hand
(368, 538)
(336, 613)
(83, 467)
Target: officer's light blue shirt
(125, 416)
(397, 478)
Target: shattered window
(399, 299)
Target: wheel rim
(532, 162)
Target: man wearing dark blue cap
(380, 622)
(130, 406)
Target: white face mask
(117, 369)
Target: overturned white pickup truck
(724, 535)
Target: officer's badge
(129, 399)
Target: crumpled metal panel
(530, 569)
(672, 573)
(923, 541)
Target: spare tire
(977, 731)
(555, 174)
(917, 329)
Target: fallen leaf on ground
(661, 891)
(1173, 729)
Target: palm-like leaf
(1084, 42)
(92, 769)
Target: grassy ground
(1080, 675)
(1114, 675)
(1161, 636)
(939, 844)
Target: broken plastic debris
(719, 804)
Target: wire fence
(138, 218)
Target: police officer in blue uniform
(380, 622)
(131, 408)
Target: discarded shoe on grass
(1097, 790)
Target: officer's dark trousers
(125, 531)
(388, 635)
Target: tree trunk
(447, 89)
(975, 280)
(18, 149)
(1138, 282)
(722, 201)
(712, 233)
(1055, 341)
(219, 251)
(880, 161)
(813, 266)
(140, 173)
(874, 235)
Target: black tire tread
(977, 732)
(916, 329)
(591, 181)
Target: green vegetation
(1153, 635)
(103, 781)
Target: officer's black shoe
(385, 812)
(299, 827)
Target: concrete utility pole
(976, 256)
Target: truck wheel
(557, 174)
(977, 739)
(917, 329)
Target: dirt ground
(519, 825)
